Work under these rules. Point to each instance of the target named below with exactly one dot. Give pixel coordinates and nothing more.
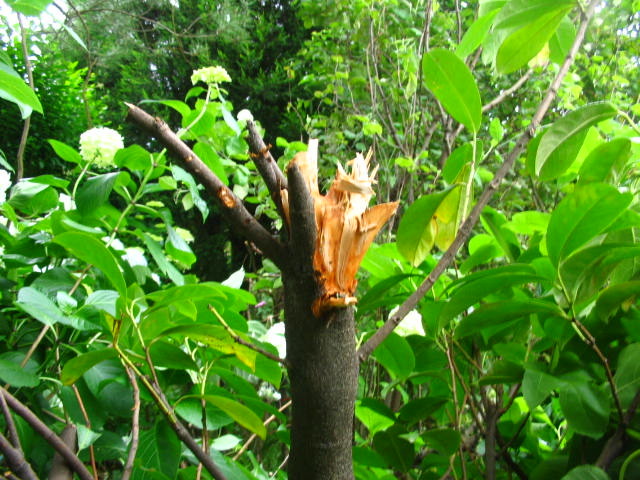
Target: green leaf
(229, 120)
(14, 89)
(33, 198)
(517, 13)
(586, 472)
(444, 440)
(472, 288)
(417, 230)
(475, 35)
(452, 83)
(456, 161)
(420, 408)
(537, 385)
(86, 437)
(39, 306)
(529, 223)
(209, 156)
(180, 107)
(561, 41)
(92, 251)
(582, 215)
(395, 354)
(31, 8)
(502, 314)
(567, 127)
(65, 152)
(627, 376)
(167, 355)
(95, 192)
(525, 43)
(134, 157)
(159, 452)
(396, 451)
(161, 260)
(585, 407)
(619, 295)
(17, 376)
(76, 367)
(244, 416)
(495, 223)
(374, 414)
(606, 162)
(178, 248)
(74, 35)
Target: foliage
(522, 360)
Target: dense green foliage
(520, 362)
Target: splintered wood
(345, 226)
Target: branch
(273, 177)
(11, 425)
(238, 339)
(15, 460)
(230, 205)
(135, 425)
(59, 468)
(616, 442)
(465, 229)
(45, 432)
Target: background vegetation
(128, 303)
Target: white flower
(210, 75)
(410, 325)
(135, 256)
(245, 115)
(5, 183)
(275, 336)
(99, 146)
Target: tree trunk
(323, 371)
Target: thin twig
(241, 341)
(27, 123)
(465, 229)
(135, 425)
(246, 445)
(87, 422)
(11, 425)
(47, 434)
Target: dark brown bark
(60, 470)
(321, 353)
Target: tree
(524, 360)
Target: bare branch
(230, 205)
(15, 460)
(46, 433)
(59, 468)
(135, 425)
(465, 229)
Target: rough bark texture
(323, 373)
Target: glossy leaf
(417, 230)
(420, 409)
(243, 415)
(502, 314)
(627, 376)
(443, 440)
(65, 152)
(13, 89)
(134, 157)
(456, 161)
(621, 295)
(95, 192)
(29, 7)
(94, 252)
(395, 354)
(586, 472)
(39, 306)
(606, 162)
(374, 414)
(537, 385)
(77, 366)
(397, 451)
(586, 408)
(582, 215)
(517, 13)
(564, 129)
(525, 43)
(475, 35)
(453, 85)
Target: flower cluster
(210, 75)
(99, 146)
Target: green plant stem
(627, 461)
(633, 125)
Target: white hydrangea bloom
(135, 256)
(5, 183)
(99, 146)
(210, 75)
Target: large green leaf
(582, 215)
(525, 43)
(616, 296)
(159, 452)
(397, 451)
(17, 376)
(586, 408)
(31, 8)
(503, 314)
(417, 230)
(77, 366)
(94, 252)
(374, 414)
(564, 129)
(475, 35)
(65, 152)
(43, 309)
(396, 356)
(453, 85)
(14, 89)
(421, 408)
(606, 162)
(95, 192)
(537, 385)
(627, 376)
(517, 13)
(444, 440)
(243, 415)
(586, 472)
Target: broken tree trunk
(327, 237)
